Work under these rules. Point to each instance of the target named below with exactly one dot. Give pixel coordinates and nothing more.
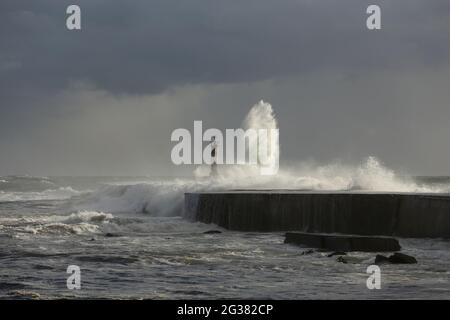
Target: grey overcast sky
(104, 100)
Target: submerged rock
(350, 259)
(341, 259)
(111, 235)
(304, 253)
(396, 258)
(337, 253)
(343, 243)
(401, 258)
(212, 232)
(379, 258)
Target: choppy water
(128, 238)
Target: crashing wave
(159, 198)
(50, 194)
(165, 198)
(82, 222)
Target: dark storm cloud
(90, 101)
(147, 46)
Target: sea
(129, 239)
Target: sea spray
(166, 198)
(262, 149)
(256, 147)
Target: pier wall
(404, 215)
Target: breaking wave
(96, 223)
(76, 223)
(165, 198)
(50, 194)
(159, 198)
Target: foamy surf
(84, 222)
(159, 198)
(50, 194)
(166, 198)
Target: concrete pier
(334, 242)
(389, 214)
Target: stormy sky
(104, 100)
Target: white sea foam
(165, 198)
(159, 198)
(154, 225)
(92, 222)
(62, 228)
(50, 194)
(76, 223)
(260, 116)
(370, 175)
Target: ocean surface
(130, 241)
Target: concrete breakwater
(335, 242)
(390, 214)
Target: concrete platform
(388, 214)
(345, 243)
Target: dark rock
(108, 259)
(381, 259)
(401, 258)
(42, 267)
(375, 244)
(337, 253)
(338, 243)
(396, 258)
(305, 239)
(341, 259)
(212, 232)
(349, 259)
(333, 242)
(111, 235)
(304, 253)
